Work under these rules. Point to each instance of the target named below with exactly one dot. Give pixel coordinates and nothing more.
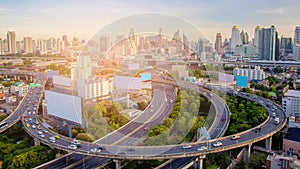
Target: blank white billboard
(126, 82)
(64, 106)
(226, 77)
(134, 66)
(61, 80)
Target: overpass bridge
(120, 152)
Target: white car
(40, 132)
(42, 135)
(201, 148)
(217, 144)
(95, 150)
(72, 146)
(33, 126)
(187, 146)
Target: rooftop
(293, 134)
(292, 93)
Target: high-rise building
(244, 37)
(93, 88)
(20, 46)
(201, 46)
(185, 43)
(1, 47)
(296, 52)
(65, 39)
(104, 43)
(84, 67)
(218, 45)
(297, 35)
(11, 42)
(235, 39)
(28, 45)
(256, 36)
(286, 44)
(268, 48)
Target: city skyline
(84, 19)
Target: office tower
(33, 46)
(296, 52)
(268, 48)
(20, 46)
(297, 35)
(176, 36)
(218, 45)
(75, 42)
(132, 39)
(84, 67)
(11, 42)
(65, 39)
(286, 44)
(60, 45)
(235, 38)
(104, 43)
(185, 43)
(201, 46)
(28, 45)
(1, 47)
(244, 37)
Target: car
(42, 135)
(39, 127)
(234, 137)
(72, 146)
(29, 113)
(257, 129)
(57, 136)
(75, 141)
(52, 141)
(40, 132)
(273, 114)
(217, 144)
(223, 119)
(45, 131)
(130, 149)
(33, 126)
(201, 148)
(186, 146)
(95, 150)
(276, 120)
(37, 122)
(30, 119)
(52, 138)
(33, 112)
(27, 125)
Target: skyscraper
(256, 37)
(1, 47)
(11, 42)
(185, 43)
(286, 44)
(297, 35)
(28, 48)
(244, 37)
(235, 38)
(268, 48)
(201, 46)
(218, 45)
(65, 39)
(104, 43)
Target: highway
(118, 151)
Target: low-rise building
(11, 99)
(282, 162)
(291, 142)
(291, 103)
(252, 74)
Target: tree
(85, 137)
(142, 105)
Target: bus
(3, 125)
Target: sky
(84, 18)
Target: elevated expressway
(134, 132)
(247, 138)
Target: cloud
(38, 10)
(271, 11)
(6, 11)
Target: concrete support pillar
(70, 130)
(37, 142)
(118, 163)
(200, 161)
(269, 143)
(247, 152)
